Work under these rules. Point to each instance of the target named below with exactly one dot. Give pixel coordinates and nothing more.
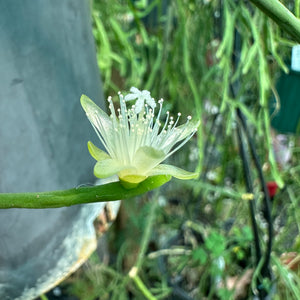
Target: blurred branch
(265, 268)
(281, 15)
(250, 190)
(100, 193)
(143, 248)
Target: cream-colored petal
(187, 129)
(107, 167)
(96, 115)
(181, 132)
(173, 171)
(97, 153)
(146, 158)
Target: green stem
(297, 8)
(144, 244)
(101, 193)
(281, 15)
(191, 82)
(139, 283)
(147, 232)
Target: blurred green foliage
(205, 58)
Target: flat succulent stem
(100, 193)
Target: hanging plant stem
(267, 202)
(249, 189)
(281, 15)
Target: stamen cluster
(133, 130)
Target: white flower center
(133, 130)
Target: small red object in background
(272, 188)
(291, 260)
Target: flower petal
(97, 153)
(180, 133)
(146, 158)
(186, 129)
(183, 131)
(106, 168)
(96, 116)
(173, 171)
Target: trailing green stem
(100, 193)
(250, 189)
(139, 283)
(147, 232)
(297, 8)
(144, 244)
(281, 15)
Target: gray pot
(47, 60)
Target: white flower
(136, 143)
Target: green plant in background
(163, 46)
(220, 58)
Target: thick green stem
(101, 193)
(281, 15)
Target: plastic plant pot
(47, 60)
